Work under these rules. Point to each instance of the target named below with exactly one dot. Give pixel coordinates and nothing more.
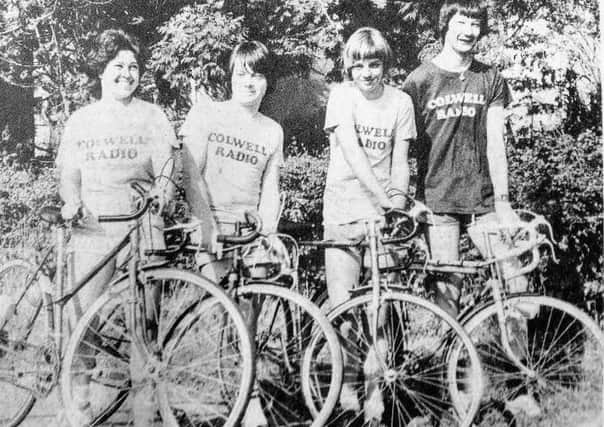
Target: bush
(560, 176)
(23, 192)
(303, 182)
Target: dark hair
(107, 45)
(476, 9)
(255, 57)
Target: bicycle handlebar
(148, 201)
(253, 222)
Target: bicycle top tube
(112, 253)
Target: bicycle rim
(402, 378)
(564, 350)
(286, 322)
(22, 340)
(103, 379)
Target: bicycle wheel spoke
(198, 362)
(564, 357)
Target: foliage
(193, 43)
(23, 191)
(303, 181)
(564, 183)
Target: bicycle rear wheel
(185, 374)
(285, 324)
(403, 377)
(564, 352)
(24, 329)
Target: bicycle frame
(63, 278)
(494, 288)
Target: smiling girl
(370, 125)
(106, 147)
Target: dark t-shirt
(451, 116)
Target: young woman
(107, 146)
(370, 125)
(234, 150)
(231, 157)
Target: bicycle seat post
(139, 328)
(372, 235)
(59, 234)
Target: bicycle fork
(496, 291)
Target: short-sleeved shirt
(379, 123)
(232, 150)
(451, 114)
(114, 145)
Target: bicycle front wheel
(562, 351)
(401, 377)
(285, 323)
(24, 329)
(184, 371)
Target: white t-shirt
(379, 124)
(113, 145)
(232, 151)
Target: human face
(462, 33)
(248, 87)
(367, 76)
(120, 77)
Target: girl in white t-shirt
(370, 125)
(107, 146)
(234, 151)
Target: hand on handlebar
(74, 212)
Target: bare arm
(70, 190)
(357, 159)
(196, 191)
(268, 208)
(399, 172)
(498, 165)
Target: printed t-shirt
(114, 145)
(379, 124)
(451, 114)
(232, 151)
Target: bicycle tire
(565, 349)
(25, 331)
(285, 324)
(182, 378)
(413, 367)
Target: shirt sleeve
(339, 103)
(405, 127)
(500, 92)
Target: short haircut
(366, 43)
(475, 9)
(107, 45)
(255, 57)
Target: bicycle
(282, 321)
(117, 348)
(400, 344)
(542, 356)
